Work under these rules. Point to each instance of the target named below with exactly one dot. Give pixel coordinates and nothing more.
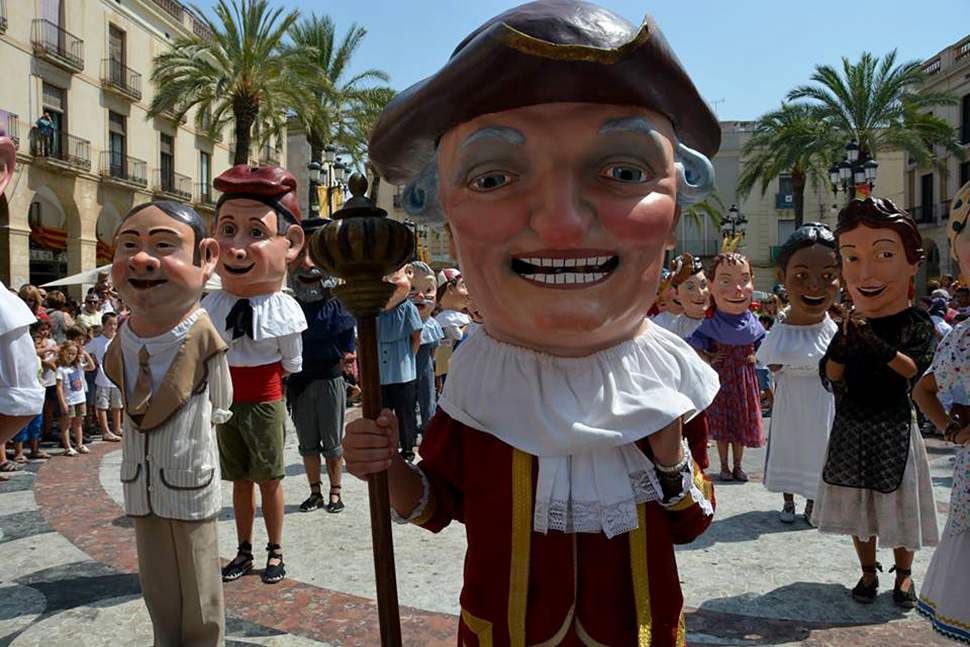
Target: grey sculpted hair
(422, 268)
(695, 181)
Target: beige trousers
(181, 581)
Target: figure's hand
(962, 436)
(371, 445)
(717, 357)
(751, 359)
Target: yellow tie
(142, 395)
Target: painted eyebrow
(884, 240)
(162, 230)
(503, 133)
(133, 232)
(628, 125)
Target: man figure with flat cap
(318, 393)
(558, 439)
(257, 225)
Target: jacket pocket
(130, 472)
(187, 479)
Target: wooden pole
(362, 246)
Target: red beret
(271, 185)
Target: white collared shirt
(161, 349)
(20, 392)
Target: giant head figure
(561, 178)
(257, 225)
(808, 267)
(881, 249)
(690, 286)
(163, 258)
(307, 282)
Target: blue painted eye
(958, 203)
(958, 226)
(625, 173)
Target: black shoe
(904, 600)
(241, 564)
(314, 501)
(334, 507)
(273, 573)
(867, 594)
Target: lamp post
(314, 168)
(733, 224)
(850, 174)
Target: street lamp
(330, 153)
(314, 168)
(734, 223)
(849, 174)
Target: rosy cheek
(648, 219)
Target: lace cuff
(689, 478)
(422, 504)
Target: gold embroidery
(681, 631)
(481, 628)
(521, 545)
(533, 46)
(953, 622)
(585, 638)
(705, 486)
(641, 577)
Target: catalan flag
(55, 239)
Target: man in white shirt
(90, 316)
(21, 396)
(257, 226)
(170, 365)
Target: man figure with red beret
(558, 439)
(257, 225)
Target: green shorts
(251, 443)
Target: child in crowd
(71, 362)
(107, 396)
(47, 352)
(424, 287)
(31, 433)
(399, 337)
(452, 297)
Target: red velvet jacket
(523, 588)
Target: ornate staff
(362, 246)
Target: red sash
(257, 383)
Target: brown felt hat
(269, 184)
(550, 51)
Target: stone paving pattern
(70, 576)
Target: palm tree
(344, 107)
(875, 103)
(242, 74)
(795, 140)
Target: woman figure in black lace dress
(876, 481)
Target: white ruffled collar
(580, 417)
(274, 315)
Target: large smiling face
(732, 287)
(254, 256)
(875, 270)
(812, 281)
(154, 268)
(559, 216)
(694, 295)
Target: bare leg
(866, 550)
(103, 422)
(904, 561)
(116, 416)
(77, 425)
(738, 449)
(48, 418)
(311, 463)
(65, 432)
(271, 494)
(18, 452)
(335, 470)
(722, 452)
(245, 509)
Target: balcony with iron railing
(3, 16)
(172, 8)
(206, 196)
(57, 46)
(123, 170)
(923, 214)
(118, 77)
(933, 67)
(13, 127)
(207, 126)
(943, 210)
(173, 185)
(269, 155)
(60, 149)
(961, 50)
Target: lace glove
(882, 350)
(839, 348)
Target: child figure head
(691, 289)
(68, 354)
(808, 267)
(452, 292)
(424, 288)
(732, 285)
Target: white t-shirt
(97, 347)
(72, 384)
(20, 395)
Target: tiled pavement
(69, 577)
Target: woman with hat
(558, 438)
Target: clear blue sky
(744, 55)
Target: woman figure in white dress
(803, 408)
(945, 596)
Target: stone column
(14, 256)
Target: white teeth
(598, 276)
(601, 259)
(547, 262)
(589, 278)
(557, 262)
(570, 262)
(571, 278)
(559, 279)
